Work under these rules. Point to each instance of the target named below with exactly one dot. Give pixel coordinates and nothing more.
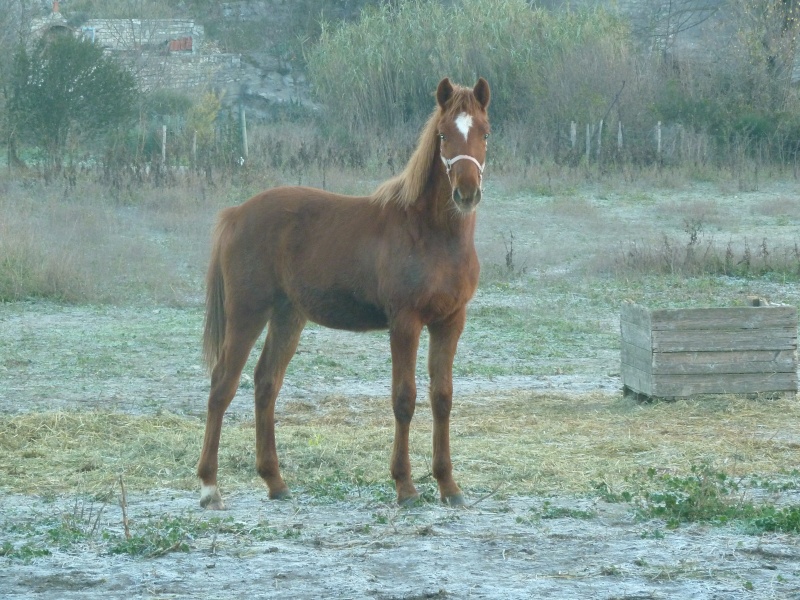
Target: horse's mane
(404, 189)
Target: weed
(704, 495)
(24, 552)
(699, 255)
(294, 532)
(604, 491)
(548, 511)
(559, 512)
(654, 534)
(511, 269)
(165, 535)
(338, 485)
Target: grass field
(101, 382)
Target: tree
(66, 89)
(201, 117)
(659, 23)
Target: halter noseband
(449, 162)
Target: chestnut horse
(403, 259)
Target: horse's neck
(439, 211)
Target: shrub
(545, 67)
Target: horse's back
(316, 249)
(287, 221)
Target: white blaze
(464, 122)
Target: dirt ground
(349, 549)
(362, 550)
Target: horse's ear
(482, 93)
(444, 91)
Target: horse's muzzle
(466, 189)
(466, 201)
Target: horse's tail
(214, 328)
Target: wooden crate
(684, 352)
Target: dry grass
(521, 443)
(90, 247)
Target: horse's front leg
(404, 339)
(443, 342)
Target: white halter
(449, 162)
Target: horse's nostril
(467, 201)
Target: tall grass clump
(31, 263)
(700, 256)
(80, 246)
(545, 67)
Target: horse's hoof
(408, 501)
(456, 500)
(283, 494)
(210, 499)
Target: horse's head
(463, 131)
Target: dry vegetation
(514, 443)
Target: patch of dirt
(495, 549)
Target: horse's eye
(441, 136)
(486, 136)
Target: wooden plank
(747, 361)
(636, 315)
(778, 338)
(636, 380)
(744, 317)
(637, 357)
(636, 335)
(743, 383)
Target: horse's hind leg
(283, 335)
(444, 339)
(240, 336)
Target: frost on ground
(306, 548)
(495, 549)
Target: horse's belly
(342, 310)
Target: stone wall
(138, 35)
(184, 71)
(174, 54)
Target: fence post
(194, 150)
(599, 139)
(243, 123)
(573, 134)
(619, 136)
(163, 145)
(658, 141)
(588, 142)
